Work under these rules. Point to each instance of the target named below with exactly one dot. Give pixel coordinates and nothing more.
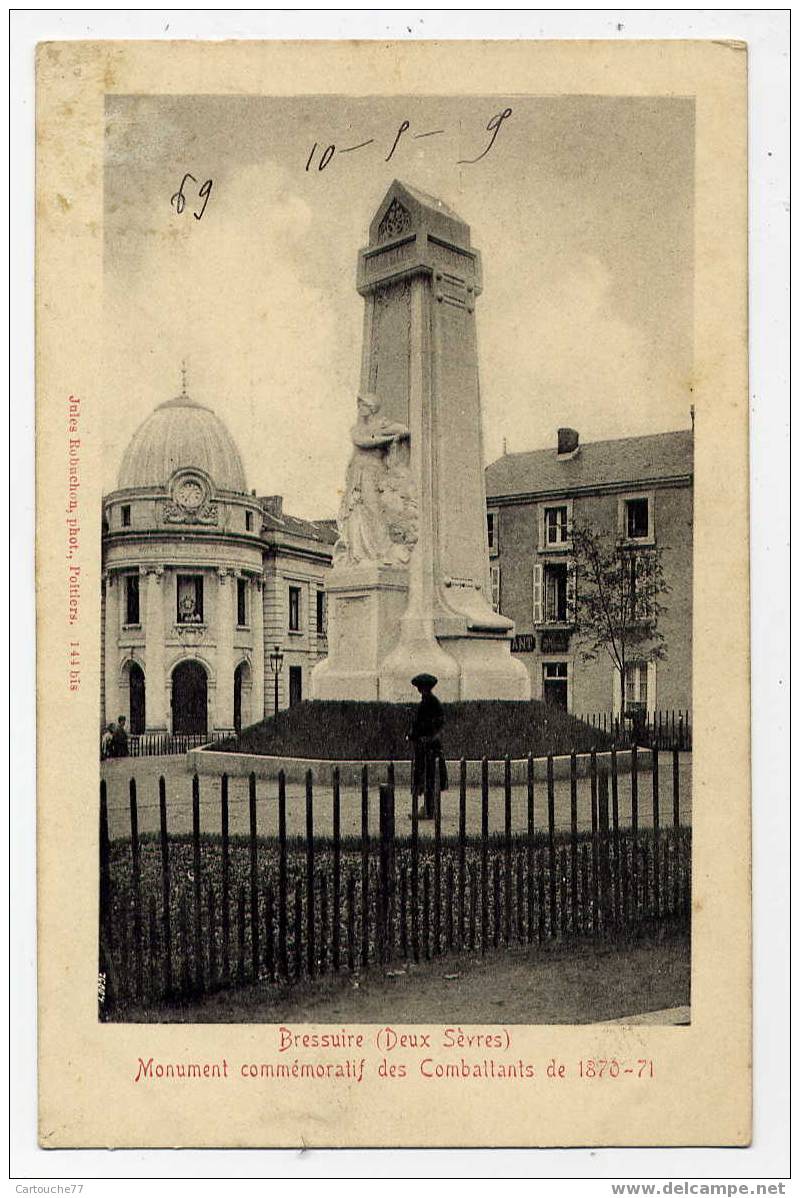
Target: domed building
(203, 581)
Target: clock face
(190, 493)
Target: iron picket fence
(182, 915)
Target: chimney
(567, 441)
(272, 505)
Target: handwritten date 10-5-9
(178, 201)
(323, 159)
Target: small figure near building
(107, 742)
(425, 735)
(119, 740)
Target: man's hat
(424, 681)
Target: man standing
(120, 741)
(425, 735)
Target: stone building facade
(638, 489)
(202, 579)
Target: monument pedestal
(365, 605)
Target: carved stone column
(420, 276)
(155, 650)
(257, 620)
(223, 716)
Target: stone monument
(409, 591)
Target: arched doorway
(136, 699)
(241, 695)
(189, 699)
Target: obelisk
(409, 591)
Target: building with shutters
(202, 579)
(638, 489)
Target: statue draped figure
(378, 514)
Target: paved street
(146, 771)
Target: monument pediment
(405, 210)
(413, 232)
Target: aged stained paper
(126, 290)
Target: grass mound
(350, 731)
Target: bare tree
(617, 601)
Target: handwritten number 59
(178, 201)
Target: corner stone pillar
(111, 635)
(155, 682)
(257, 689)
(223, 715)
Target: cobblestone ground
(147, 770)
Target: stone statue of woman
(378, 513)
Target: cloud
(576, 360)
(266, 347)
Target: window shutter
(495, 578)
(569, 521)
(644, 588)
(616, 692)
(538, 607)
(571, 591)
(651, 688)
(540, 517)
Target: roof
(313, 530)
(429, 201)
(181, 434)
(624, 461)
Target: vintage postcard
(392, 594)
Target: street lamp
(276, 665)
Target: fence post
(484, 853)
(656, 838)
(551, 841)
(507, 851)
(615, 826)
(414, 879)
(437, 863)
(226, 881)
(166, 886)
(365, 866)
(283, 887)
(573, 833)
(386, 876)
(254, 918)
(676, 823)
(137, 889)
(462, 848)
(310, 905)
(337, 869)
(605, 865)
(106, 933)
(198, 882)
(530, 847)
(635, 829)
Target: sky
(582, 210)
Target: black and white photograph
(393, 627)
(397, 558)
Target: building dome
(180, 434)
